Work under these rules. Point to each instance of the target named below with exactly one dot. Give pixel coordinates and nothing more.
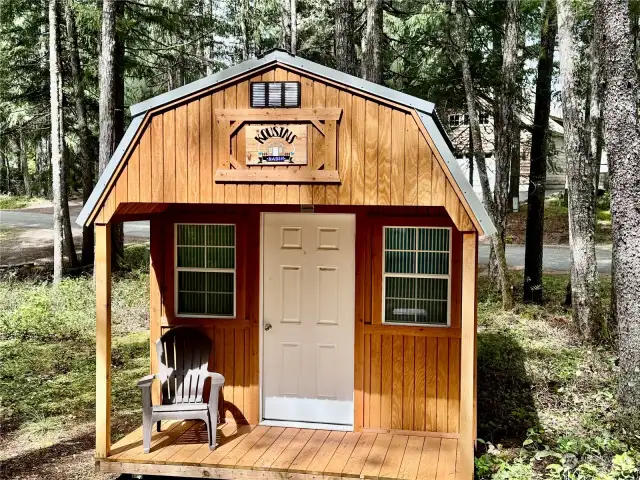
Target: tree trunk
(117, 230)
(107, 84)
(497, 242)
(533, 287)
(110, 79)
(210, 41)
(343, 37)
(596, 90)
(244, 26)
(294, 27)
(622, 140)
(56, 147)
(372, 43)
(585, 288)
(83, 130)
(285, 24)
(24, 165)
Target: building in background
(459, 132)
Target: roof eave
(480, 213)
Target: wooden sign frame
(229, 122)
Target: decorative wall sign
(276, 144)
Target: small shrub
(136, 257)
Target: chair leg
(147, 425)
(158, 425)
(211, 432)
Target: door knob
(267, 327)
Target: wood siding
(406, 377)
(384, 157)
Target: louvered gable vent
(275, 94)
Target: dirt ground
(60, 457)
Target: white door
(308, 317)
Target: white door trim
(282, 423)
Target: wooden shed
(318, 229)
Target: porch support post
(468, 355)
(156, 270)
(103, 339)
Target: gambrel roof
(424, 109)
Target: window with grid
(416, 275)
(205, 270)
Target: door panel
(308, 316)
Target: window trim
(177, 269)
(384, 275)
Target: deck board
(270, 453)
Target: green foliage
(13, 202)
(47, 350)
(34, 310)
(546, 403)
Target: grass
(47, 349)
(13, 202)
(556, 222)
(546, 403)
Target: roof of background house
(425, 109)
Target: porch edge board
(114, 466)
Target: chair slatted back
(186, 350)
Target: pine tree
(372, 42)
(585, 286)
(343, 39)
(622, 140)
(57, 153)
(533, 288)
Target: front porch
(251, 452)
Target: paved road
(556, 257)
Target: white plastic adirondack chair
(183, 360)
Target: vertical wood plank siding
(382, 156)
(413, 378)
(407, 378)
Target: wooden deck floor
(261, 452)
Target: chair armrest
(216, 378)
(217, 382)
(145, 382)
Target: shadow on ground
(506, 407)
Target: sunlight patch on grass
(14, 202)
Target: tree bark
(533, 287)
(117, 229)
(24, 165)
(285, 25)
(83, 130)
(107, 84)
(622, 139)
(497, 241)
(245, 30)
(596, 90)
(343, 37)
(585, 287)
(210, 41)
(56, 147)
(372, 43)
(294, 27)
